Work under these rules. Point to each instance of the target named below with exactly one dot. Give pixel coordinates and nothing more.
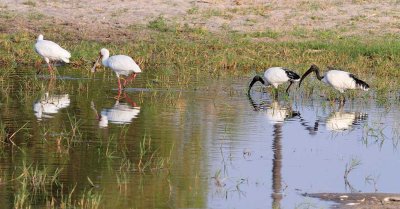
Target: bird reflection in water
(342, 121)
(121, 113)
(276, 114)
(50, 104)
(337, 121)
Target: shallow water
(221, 148)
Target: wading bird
(51, 51)
(120, 64)
(339, 80)
(276, 76)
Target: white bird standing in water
(276, 76)
(120, 64)
(51, 51)
(339, 80)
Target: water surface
(220, 148)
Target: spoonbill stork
(339, 80)
(275, 76)
(120, 64)
(51, 51)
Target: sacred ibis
(276, 76)
(338, 79)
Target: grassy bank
(184, 53)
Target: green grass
(187, 53)
(159, 24)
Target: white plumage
(51, 51)
(120, 64)
(276, 76)
(50, 105)
(338, 79)
(121, 113)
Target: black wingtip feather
(292, 75)
(359, 83)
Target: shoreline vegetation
(186, 53)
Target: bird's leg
(118, 97)
(49, 67)
(276, 93)
(287, 90)
(123, 85)
(131, 77)
(119, 84)
(51, 70)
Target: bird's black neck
(255, 79)
(319, 77)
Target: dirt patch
(287, 19)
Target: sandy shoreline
(286, 18)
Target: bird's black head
(313, 68)
(255, 79)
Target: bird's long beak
(312, 69)
(93, 70)
(287, 90)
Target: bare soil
(100, 19)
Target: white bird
(276, 76)
(120, 64)
(48, 105)
(339, 80)
(51, 51)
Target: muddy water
(209, 145)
